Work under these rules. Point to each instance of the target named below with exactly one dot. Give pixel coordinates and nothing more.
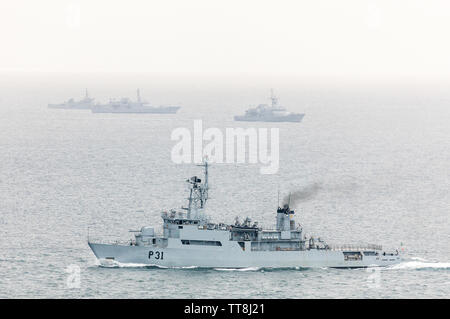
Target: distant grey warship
(84, 104)
(125, 105)
(190, 239)
(266, 113)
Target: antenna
(278, 196)
(205, 187)
(190, 204)
(273, 98)
(138, 95)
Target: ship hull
(165, 110)
(233, 257)
(69, 107)
(287, 118)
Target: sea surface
(377, 158)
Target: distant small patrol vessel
(126, 105)
(266, 113)
(189, 239)
(84, 104)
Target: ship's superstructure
(189, 238)
(84, 104)
(126, 105)
(272, 113)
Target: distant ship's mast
(273, 98)
(198, 192)
(138, 96)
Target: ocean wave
(418, 258)
(421, 265)
(414, 263)
(261, 269)
(116, 264)
(239, 269)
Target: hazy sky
(315, 37)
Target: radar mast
(273, 98)
(138, 93)
(198, 191)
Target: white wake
(418, 264)
(115, 264)
(239, 269)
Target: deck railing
(97, 240)
(105, 239)
(356, 247)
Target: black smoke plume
(302, 195)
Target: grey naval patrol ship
(190, 239)
(126, 105)
(272, 113)
(84, 104)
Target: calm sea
(380, 157)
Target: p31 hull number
(155, 254)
